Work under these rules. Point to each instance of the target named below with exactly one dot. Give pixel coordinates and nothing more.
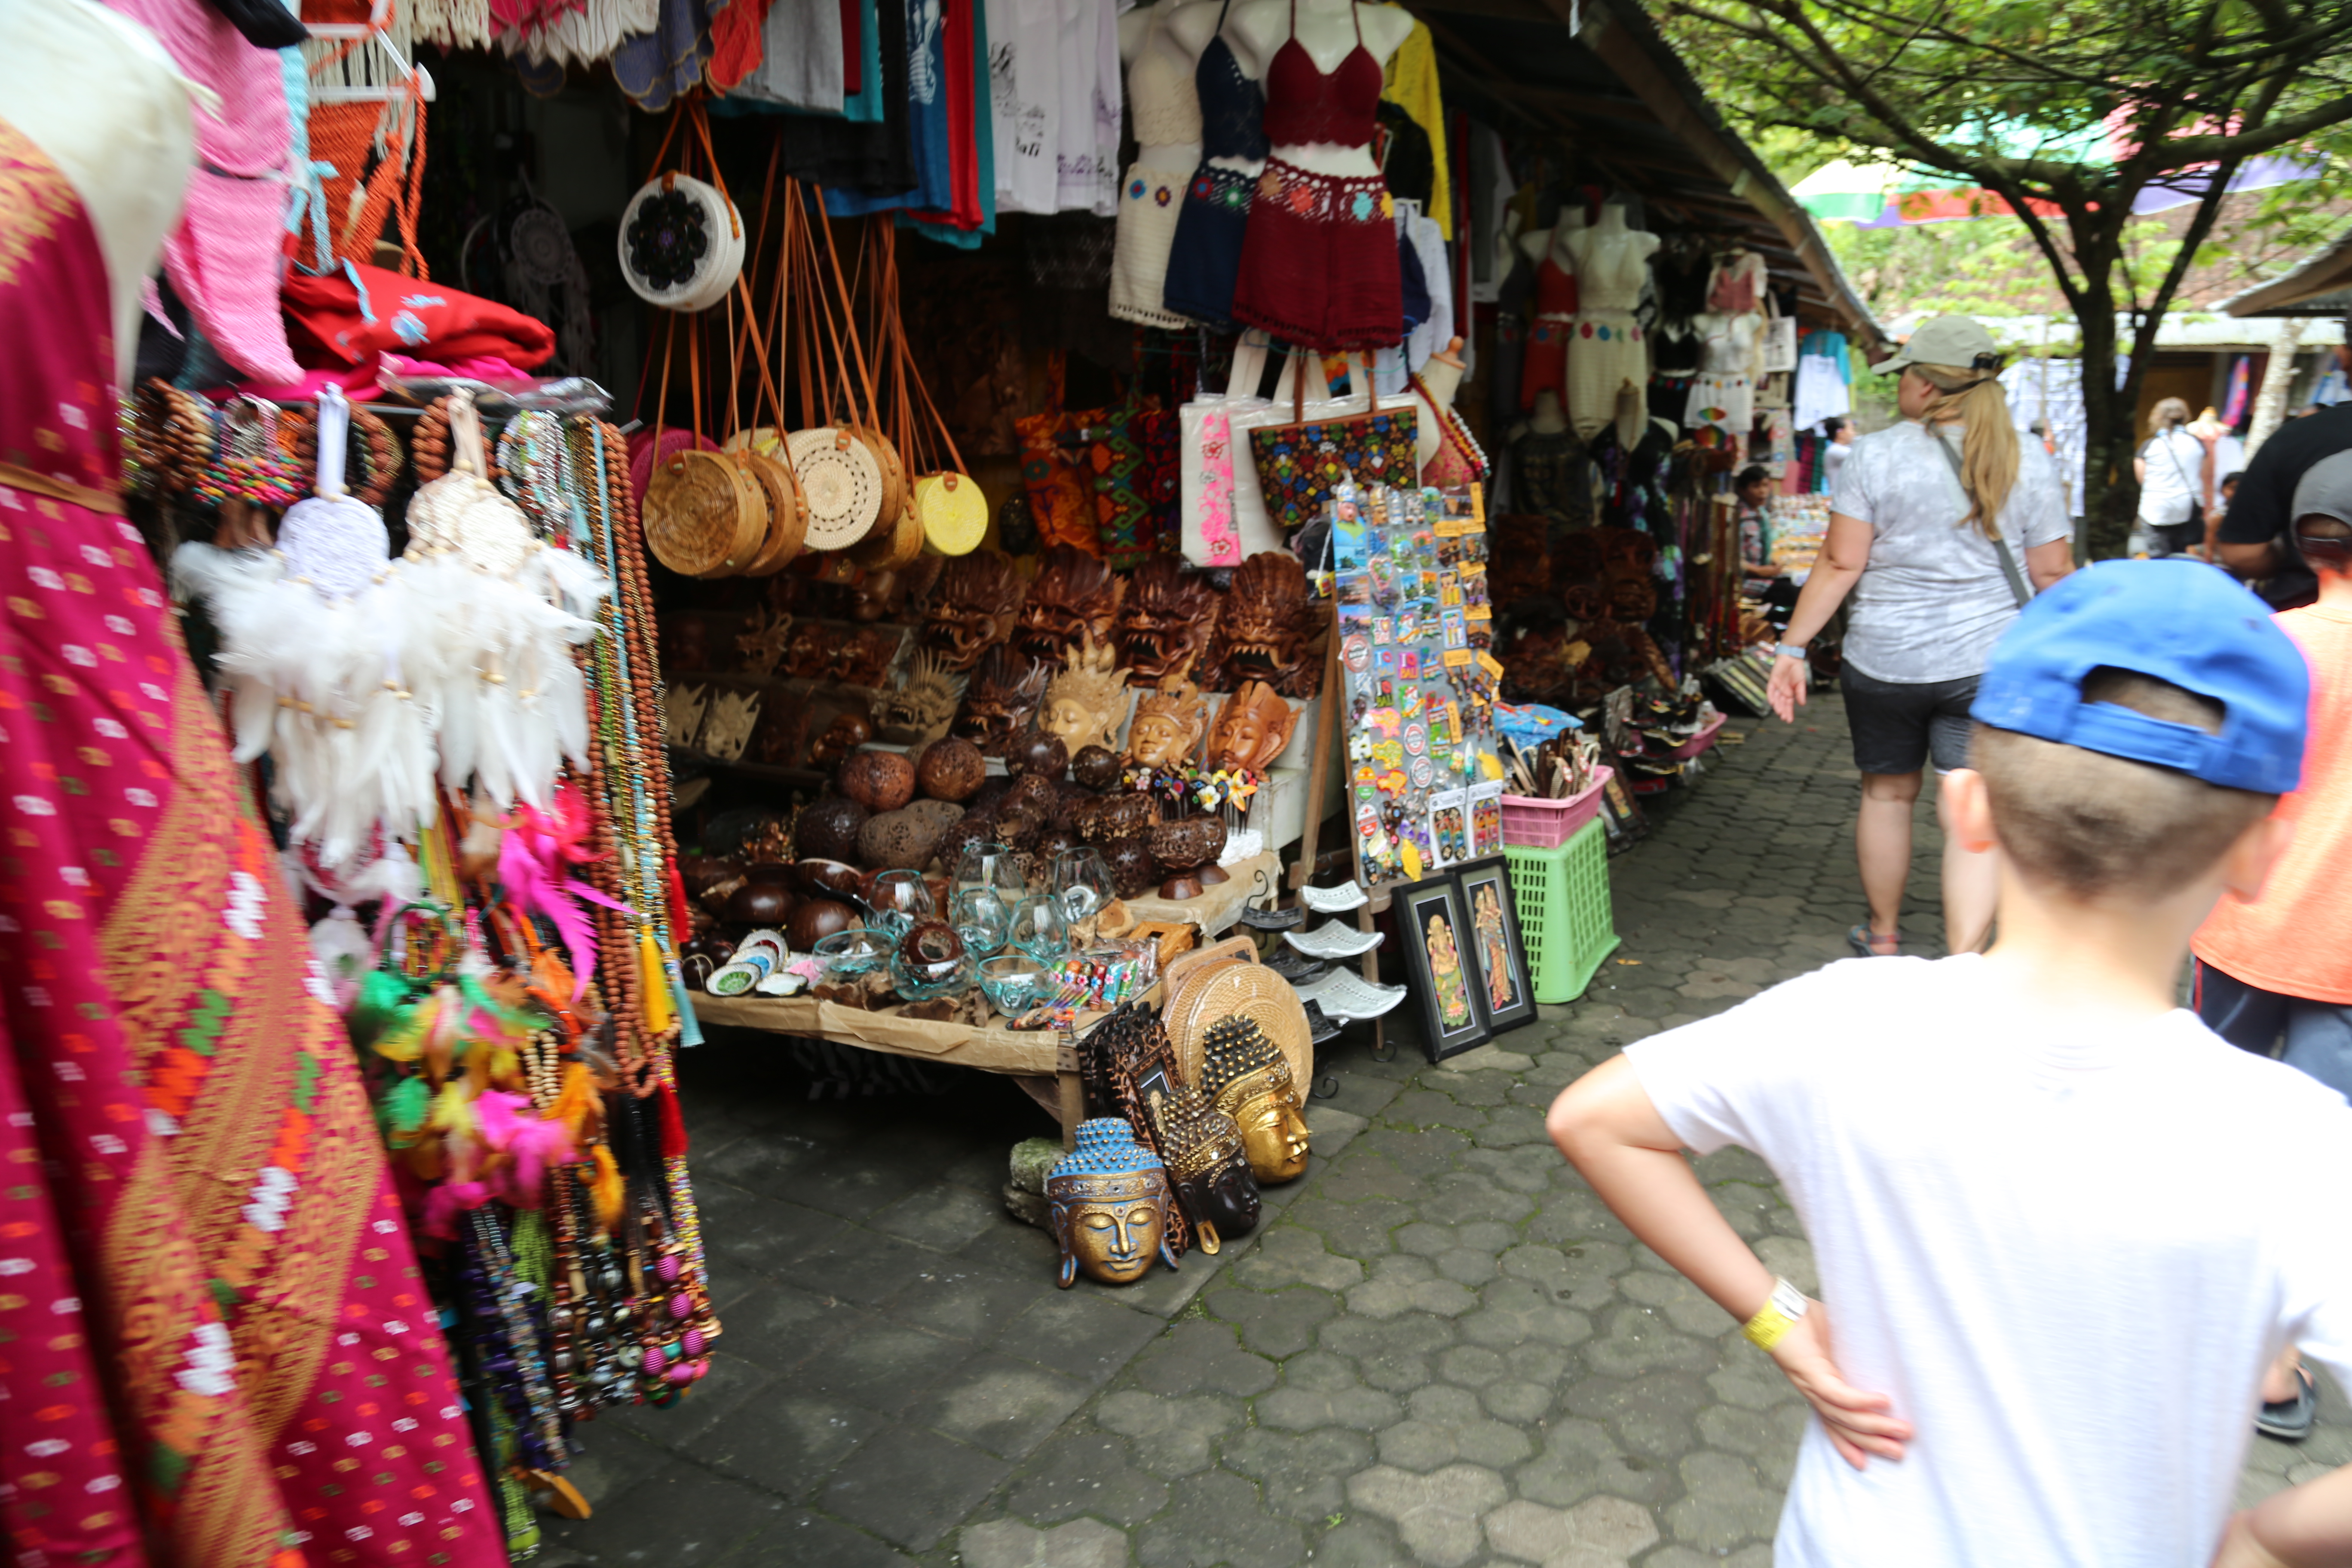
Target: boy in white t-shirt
(2060, 1226)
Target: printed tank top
(1304, 104)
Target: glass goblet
(994, 867)
(1040, 928)
(894, 900)
(982, 919)
(1082, 881)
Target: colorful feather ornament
(536, 848)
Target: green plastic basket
(1564, 916)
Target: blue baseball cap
(2179, 621)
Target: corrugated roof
(2321, 285)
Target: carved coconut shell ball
(989, 795)
(1039, 753)
(878, 781)
(1187, 841)
(951, 769)
(828, 830)
(814, 921)
(897, 841)
(1133, 871)
(1032, 795)
(1121, 816)
(1054, 840)
(1095, 767)
(941, 814)
(968, 834)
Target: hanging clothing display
(1546, 366)
(802, 62)
(1088, 114)
(1205, 256)
(188, 1308)
(1824, 371)
(1724, 395)
(1026, 102)
(1166, 107)
(1412, 85)
(1319, 260)
(1608, 362)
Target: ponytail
(1988, 442)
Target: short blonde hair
(2095, 827)
(2169, 414)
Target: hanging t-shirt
(1091, 95)
(1822, 392)
(970, 144)
(927, 122)
(1025, 103)
(803, 57)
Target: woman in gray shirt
(1923, 555)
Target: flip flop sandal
(1863, 941)
(2290, 1420)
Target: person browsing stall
(1936, 526)
(2172, 466)
(2060, 1226)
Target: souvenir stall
(999, 564)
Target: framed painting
(1495, 956)
(1431, 921)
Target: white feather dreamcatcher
(321, 649)
(508, 609)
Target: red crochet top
(1304, 104)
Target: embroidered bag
(1299, 464)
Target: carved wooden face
(1074, 596)
(1252, 728)
(1263, 628)
(1164, 621)
(972, 609)
(1005, 689)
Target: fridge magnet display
(1485, 819)
(1449, 825)
(1430, 920)
(1496, 957)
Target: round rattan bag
(893, 547)
(894, 475)
(953, 512)
(681, 243)
(787, 514)
(704, 516)
(842, 482)
(1240, 990)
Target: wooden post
(1319, 772)
(1073, 1092)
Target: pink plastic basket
(1690, 748)
(1529, 823)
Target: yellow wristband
(1779, 1314)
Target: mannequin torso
(1327, 33)
(1166, 111)
(1611, 261)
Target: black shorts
(1899, 725)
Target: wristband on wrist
(1795, 650)
(1779, 1314)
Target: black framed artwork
(1432, 920)
(1494, 955)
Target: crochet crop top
(1233, 105)
(1304, 104)
(1160, 95)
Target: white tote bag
(1214, 534)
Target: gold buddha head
(1207, 1161)
(1168, 726)
(1246, 1078)
(1109, 1199)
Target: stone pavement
(1438, 1349)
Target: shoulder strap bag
(2017, 584)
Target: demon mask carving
(971, 609)
(1265, 626)
(1165, 621)
(1006, 687)
(1074, 596)
(921, 708)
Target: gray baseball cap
(1956, 341)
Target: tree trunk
(2110, 491)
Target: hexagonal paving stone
(1009, 1543)
(1600, 1533)
(1448, 1424)
(1201, 1356)
(1172, 1437)
(1218, 1518)
(1301, 1476)
(1436, 1516)
(1274, 1322)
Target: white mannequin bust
(1555, 242)
(1547, 419)
(1327, 32)
(1441, 378)
(102, 100)
(1610, 257)
(1144, 30)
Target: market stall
(805, 533)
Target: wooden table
(1044, 1060)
